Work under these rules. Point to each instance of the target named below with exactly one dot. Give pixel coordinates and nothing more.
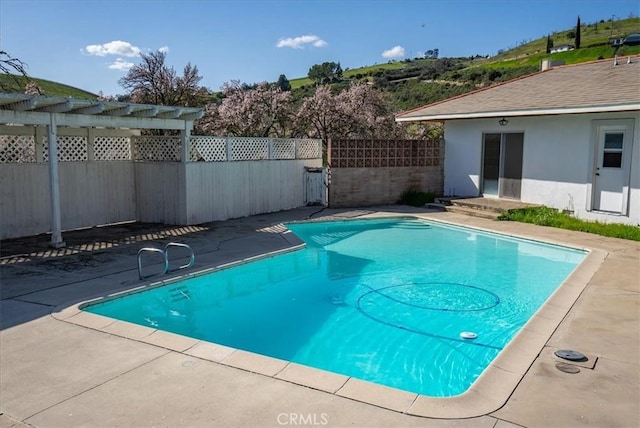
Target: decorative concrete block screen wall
(115, 175)
(375, 172)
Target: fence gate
(316, 184)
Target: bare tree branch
(15, 68)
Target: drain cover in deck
(570, 355)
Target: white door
(611, 175)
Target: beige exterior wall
(352, 187)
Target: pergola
(52, 112)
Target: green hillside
(526, 57)
(11, 83)
(592, 35)
(370, 69)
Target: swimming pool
(379, 300)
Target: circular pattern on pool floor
(439, 296)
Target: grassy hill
(11, 83)
(594, 44)
(349, 73)
(592, 35)
(527, 56)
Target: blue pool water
(379, 300)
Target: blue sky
(90, 44)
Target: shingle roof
(582, 88)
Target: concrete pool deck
(59, 367)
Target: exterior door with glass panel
(611, 173)
(502, 164)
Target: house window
(612, 153)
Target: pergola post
(185, 137)
(54, 183)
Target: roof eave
(517, 113)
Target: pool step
(179, 293)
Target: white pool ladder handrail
(165, 258)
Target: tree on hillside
(262, 111)
(577, 39)
(283, 83)
(154, 82)
(549, 44)
(432, 53)
(326, 72)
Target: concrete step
(475, 212)
(444, 201)
(479, 206)
(436, 206)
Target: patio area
(57, 372)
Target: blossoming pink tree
(359, 111)
(263, 111)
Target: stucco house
(567, 137)
(561, 48)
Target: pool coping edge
(487, 394)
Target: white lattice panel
(210, 149)
(157, 149)
(249, 148)
(111, 148)
(17, 148)
(283, 149)
(309, 149)
(71, 148)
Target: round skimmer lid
(468, 335)
(570, 355)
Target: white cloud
(394, 52)
(116, 47)
(120, 64)
(164, 49)
(301, 41)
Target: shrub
(416, 198)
